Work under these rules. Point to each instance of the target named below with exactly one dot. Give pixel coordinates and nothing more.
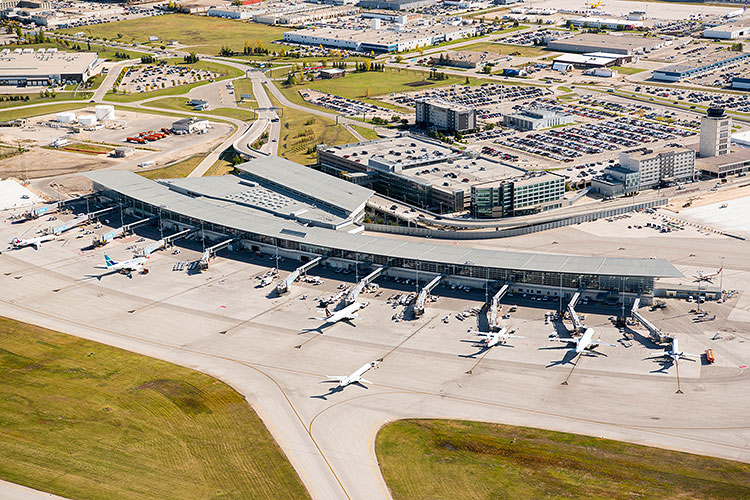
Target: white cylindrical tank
(87, 120)
(66, 117)
(105, 112)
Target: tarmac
(269, 349)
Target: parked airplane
(708, 278)
(347, 314)
(126, 267)
(496, 338)
(35, 242)
(675, 354)
(586, 341)
(354, 378)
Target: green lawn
(202, 34)
(627, 71)
(301, 132)
(174, 170)
(12, 114)
(88, 421)
(244, 86)
(179, 104)
(367, 133)
(36, 99)
(457, 460)
(91, 149)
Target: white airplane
(675, 354)
(126, 267)
(708, 278)
(496, 338)
(348, 313)
(354, 378)
(35, 242)
(586, 341)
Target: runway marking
(575, 363)
(470, 371)
(207, 282)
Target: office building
(659, 166)
(434, 176)
(535, 118)
(716, 131)
(443, 115)
(735, 162)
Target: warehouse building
(379, 41)
(433, 176)
(613, 44)
(444, 115)
(585, 61)
(44, 68)
(681, 71)
(605, 22)
(535, 118)
(396, 4)
(731, 31)
(218, 218)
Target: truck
(147, 163)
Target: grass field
(179, 104)
(244, 86)
(367, 133)
(174, 170)
(202, 34)
(91, 149)
(301, 132)
(12, 114)
(457, 460)
(36, 99)
(627, 71)
(88, 421)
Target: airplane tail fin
(328, 313)
(108, 260)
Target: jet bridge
(78, 221)
(352, 296)
(102, 239)
(94, 215)
(210, 252)
(495, 306)
(286, 284)
(162, 243)
(423, 293)
(577, 323)
(656, 334)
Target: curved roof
(236, 217)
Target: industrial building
(433, 176)
(741, 83)
(612, 44)
(395, 4)
(706, 64)
(535, 118)
(380, 41)
(218, 218)
(730, 31)
(444, 115)
(190, 125)
(716, 131)
(231, 12)
(300, 14)
(585, 61)
(46, 67)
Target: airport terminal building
(220, 217)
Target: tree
(467, 81)
(399, 59)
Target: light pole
(721, 279)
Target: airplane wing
(37, 245)
(334, 378)
(364, 381)
(601, 342)
(353, 316)
(515, 336)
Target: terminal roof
(230, 215)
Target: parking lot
(732, 102)
(347, 107)
(147, 77)
(486, 98)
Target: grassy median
(456, 460)
(88, 421)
